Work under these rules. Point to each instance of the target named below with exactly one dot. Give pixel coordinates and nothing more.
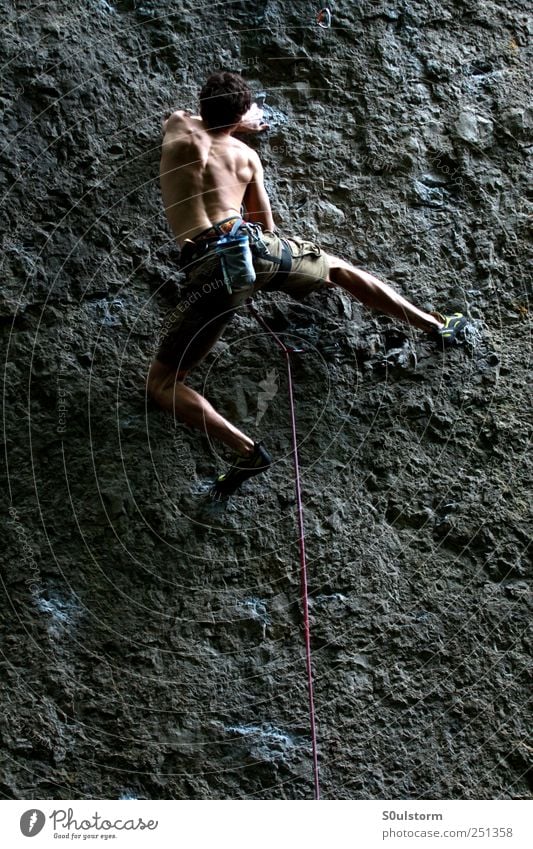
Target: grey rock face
(152, 643)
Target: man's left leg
(167, 388)
(191, 331)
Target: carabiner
(323, 18)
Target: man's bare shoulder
(181, 116)
(179, 124)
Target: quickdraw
(323, 18)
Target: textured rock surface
(152, 646)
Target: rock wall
(152, 642)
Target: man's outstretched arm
(252, 121)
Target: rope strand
(301, 542)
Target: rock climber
(213, 192)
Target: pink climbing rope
(301, 541)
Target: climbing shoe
(242, 469)
(453, 332)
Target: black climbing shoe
(242, 469)
(453, 332)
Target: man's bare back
(206, 176)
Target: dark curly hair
(224, 99)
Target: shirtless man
(207, 177)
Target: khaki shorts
(206, 307)
(309, 269)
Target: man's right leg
(377, 295)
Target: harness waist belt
(285, 265)
(217, 230)
(195, 248)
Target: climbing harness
(287, 351)
(323, 18)
(260, 250)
